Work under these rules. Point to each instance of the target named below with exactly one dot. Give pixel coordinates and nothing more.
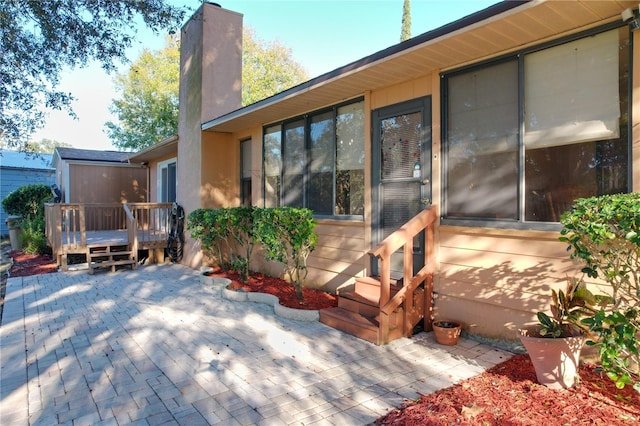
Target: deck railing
(403, 238)
(152, 221)
(146, 224)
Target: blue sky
(323, 35)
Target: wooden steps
(358, 312)
(110, 255)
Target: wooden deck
(101, 230)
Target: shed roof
(25, 160)
(93, 155)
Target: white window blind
(571, 92)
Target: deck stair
(358, 311)
(110, 255)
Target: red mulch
(312, 299)
(31, 264)
(508, 394)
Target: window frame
(519, 55)
(161, 190)
(306, 119)
(245, 199)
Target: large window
(317, 161)
(527, 135)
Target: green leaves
(42, 38)
(27, 201)
(285, 234)
(602, 232)
(147, 110)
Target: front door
(401, 178)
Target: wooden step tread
(352, 317)
(365, 328)
(376, 281)
(113, 263)
(366, 299)
(110, 254)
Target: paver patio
(155, 346)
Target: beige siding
(107, 184)
(339, 257)
(401, 92)
(496, 280)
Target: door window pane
(167, 181)
(401, 145)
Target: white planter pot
(556, 360)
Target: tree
(405, 33)
(46, 146)
(40, 39)
(148, 109)
(267, 68)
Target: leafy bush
(287, 236)
(229, 235)
(603, 232)
(27, 201)
(226, 234)
(33, 237)
(207, 226)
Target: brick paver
(155, 346)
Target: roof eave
(368, 61)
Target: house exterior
(92, 176)
(18, 169)
(499, 120)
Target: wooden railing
(132, 230)
(403, 238)
(66, 225)
(152, 221)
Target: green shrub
(229, 235)
(33, 237)
(604, 233)
(27, 201)
(207, 226)
(287, 236)
(226, 234)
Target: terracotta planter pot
(555, 360)
(446, 332)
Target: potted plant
(555, 343)
(446, 332)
